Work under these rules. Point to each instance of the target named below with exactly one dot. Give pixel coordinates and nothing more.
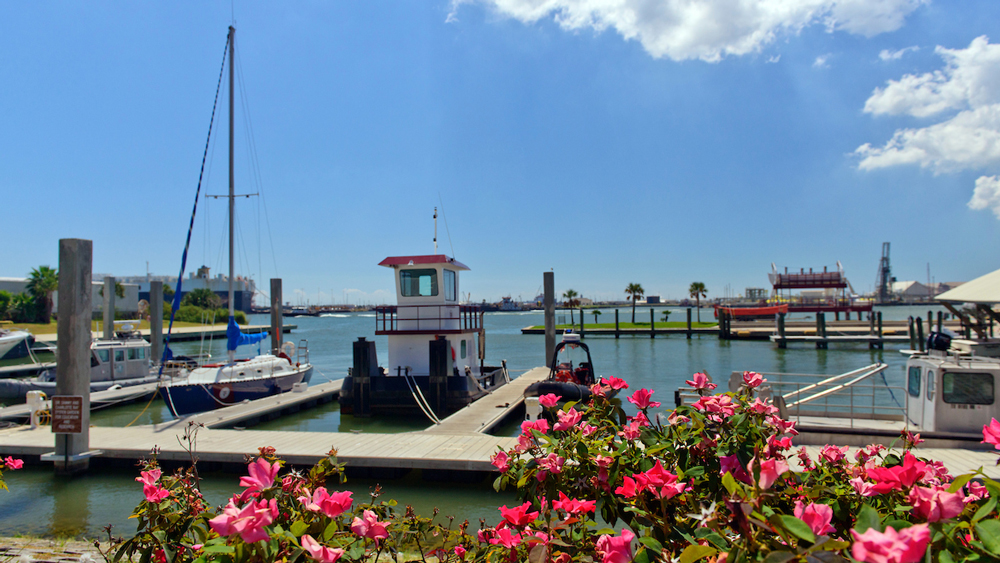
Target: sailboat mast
(232, 183)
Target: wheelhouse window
(913, 381)
(418, 283)
(967, 388)
(449, 285)
(104, 355)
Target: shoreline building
(243, 294)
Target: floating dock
(459, 443)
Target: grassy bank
(51, 328)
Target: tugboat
(436, 347)
(566, 381)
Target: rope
(151, 397)
(176, 304)
(421, 401)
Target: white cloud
(887, 55)
(987, 194)
(965, 95)
(706, 29)
(820, 61)
(774, 59)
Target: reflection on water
(40, 503)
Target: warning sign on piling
(67, 414)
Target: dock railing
(857, 394)
(418, 319)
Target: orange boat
(746, 313)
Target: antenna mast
(435, 230)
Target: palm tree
(596, 312)
(698, 290)
(22, 308)
(42, 282)
(571, 301)
(636, 291)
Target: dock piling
(549, 301)
(364, 361)
(156, 319)
(76, 256)
(581, 323)
(276, 318)
(822, 343)
(440, 368)
(913, 335)
(689, 323)
(617, 330)
(782, 343)
(109, 307)
(920, 334)
(880, 343)
(652, 323)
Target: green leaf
(797, 527)
(641, 557)
(897, 524)
(330, 530)
(988, 532)
(867, 518)
(218, 549)
(779, 557)
(651, 543)
(298, 528)
(959, 483)
(729, 482)
(695, 552)
(945, 557)
(984, 510)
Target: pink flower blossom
(833, 454)
(868, 452)
(154, 493)
(12, 463)
(731, 464)
(991, 433)
(631, 431)
(614, 382)
(817, 516)
(660, 482)
(262, 475)
(548, 400)
(760, 407)
(641, 418)
(501, 461)
(332, 505)
(588, 429)
(616, 549)
(912, 440)
(368, 526)
(552, 463)
(541, 425)
(770, 470)
(752, 379)
(603, 462)
(975, 491)
(641, 399)
(804, 459)
(776, 445)
(900, 477)
(863, 488)
(716, 404)
(673, 419)
(629, 488)
(567, 419)
(936, 503)
(574, 506)
(906, 546)
(700, 381)
(506, 538)
(519, 515)
(248, 522)
(781, 425)
(149, 477)
(319, 552)
(460, 552)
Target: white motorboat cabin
(427, 297)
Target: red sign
(67, 414)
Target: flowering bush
(10, 464)
(712, 481)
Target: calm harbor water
(42, 504)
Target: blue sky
(611, 141)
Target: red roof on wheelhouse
(425, 259)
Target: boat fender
(285, 356)
(289, 349)
(224, 393)
(114, 387)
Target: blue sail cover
(235, 337)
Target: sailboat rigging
(217, 385)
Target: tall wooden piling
(581, 323)
(920, 334)
(940, 322)
(617, 330)
(277, 330)
(652, 324)
(549, 302)
(365, 363)
(156, 319)
(73, 348)
(440, 367)
(782, 343)
(109, 307)
(821, 331)
(911, 333)
(689, 323)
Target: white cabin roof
(984, 290)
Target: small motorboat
(571, 375)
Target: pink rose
(614, 382)
(12, 463)
(817, 516)
(368, 526)
(700, 381)
(319, 552)
(501, 461)
(519, 515)
(905, 546)
(991, 433)
(548, 400)
(752, 379)
(936, 503)
(616, 549)
(770, 470)
(641, 399)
